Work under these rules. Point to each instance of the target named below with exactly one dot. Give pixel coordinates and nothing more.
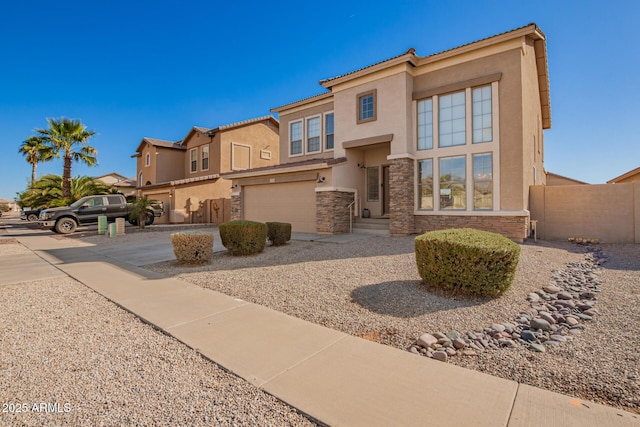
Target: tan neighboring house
(186, 175)
(555, 179)
(120, 183)
(632, 175)
(452, 139)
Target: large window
(482, 126)
(205, 157)
(194, 159)
(453, 183)
(425, 184)
(366, 107)
(373, 184)
(452, 122)
(425, 124)
(313, 134)
(482, 181)
(295, 138)
(328, 131)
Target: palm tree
(140, 211)
(47, 191)
(69, 137)
(35, 151)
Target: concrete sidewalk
(335, 378)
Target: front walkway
(335, 378)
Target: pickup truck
(65, 219)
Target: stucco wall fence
(609, 212)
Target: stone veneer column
(332, 212)
(401, 197)
(236, 206)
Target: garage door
(292, 202)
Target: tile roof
(302, 101)
(162, 143)
(244, 123)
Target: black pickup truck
(65, 219)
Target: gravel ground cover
(370, 288)
(91, 363)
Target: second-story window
(313, 134)
(205, 157)
(194, 160)
(366, 107)
(295, 138)
(147, 161)
(328, 131)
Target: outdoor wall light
(361, 165)
(321, 180)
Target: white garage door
(292, 202)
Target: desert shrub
(470, 261)
(243, 237)
(192, 247)
(278, 233)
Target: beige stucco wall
(259, 136)
(553, 179)
(287, 117)
(197, 140)
(166, 164)
(610, 213)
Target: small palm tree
(139, 211)
(47, 191)
(35, 151)
(69, 137)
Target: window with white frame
(313, 135)
(452, 119)
(453, 183)
(373, 184)
(147, 161)
(482, 117)
(194, 160)
(425, 124)
(366, 106)
(295, 138)
(328, 131)
(482, 181)
(425, 184)
(205, 157)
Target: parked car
(86, 210)
(30, 214)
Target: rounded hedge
(470, 261)
(192, 246)
(243, 237)
(278, 233)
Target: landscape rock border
(557, 314)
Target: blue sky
(130, 69)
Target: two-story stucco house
(186, 175)
(452, 139)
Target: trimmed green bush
(243, 237)
(278, 233)
(469, 261)
(192, 247)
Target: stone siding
(332, 212)
(513, 227)
(236, 207)
(401, 197)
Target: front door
(385, 190)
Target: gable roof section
(294, 104)
(158, 143)
(270, 119)
(624, 176)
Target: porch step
(375, 226)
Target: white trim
(278, 171)
(523, 212)
(403, 156)
(234, 144)
(343, 189)
(301, 121)
(265, 154)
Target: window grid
(482, 115)
(329, 131)
(373, 184)
(205, 157)
(313, 134)
(295, 132)
(452, 119)
(194, 160)
(425, 124)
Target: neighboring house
(120, 183)
(13, 206)
(186, 175)
(632, 175)
(555, 179)
(453, 139)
